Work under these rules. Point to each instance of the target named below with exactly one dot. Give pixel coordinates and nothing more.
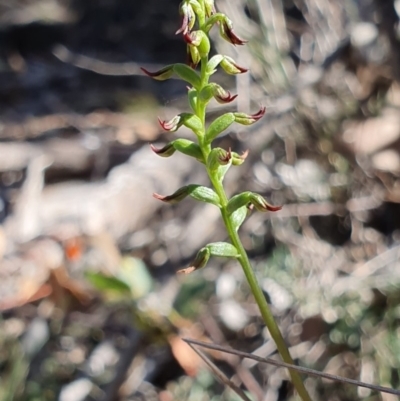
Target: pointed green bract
(189, 148)
(192, 122)
(218, 126)
(212, 20)
(238, 201)
(207, 93)
(181, 145)
(238, 217)
(192, 97)
(204, 194)
(197, 192)
(223, 249)
(187, 74)
(213, 63)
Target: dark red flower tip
(272, 208)
(185, 25)
(171, 125)
(231, 36)
(148, 73)
(160, 197)
(259, 114)
(225, 158)
(154, 149)
(188, 37)
(227, 97)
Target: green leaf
(223, 249)
(238, 217)
(107, 283)
(218, 126)
(187, 74)
(136, 275)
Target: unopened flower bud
(218, 157)
(219, 249)
(199, 262)
(248, 119)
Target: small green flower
(226, 32)
(230, 67)
(189, 17)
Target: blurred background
(91, 307)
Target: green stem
(243, 258)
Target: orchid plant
(198, 18)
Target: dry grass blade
(300, 369)
(99, 66)
(218, 373)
